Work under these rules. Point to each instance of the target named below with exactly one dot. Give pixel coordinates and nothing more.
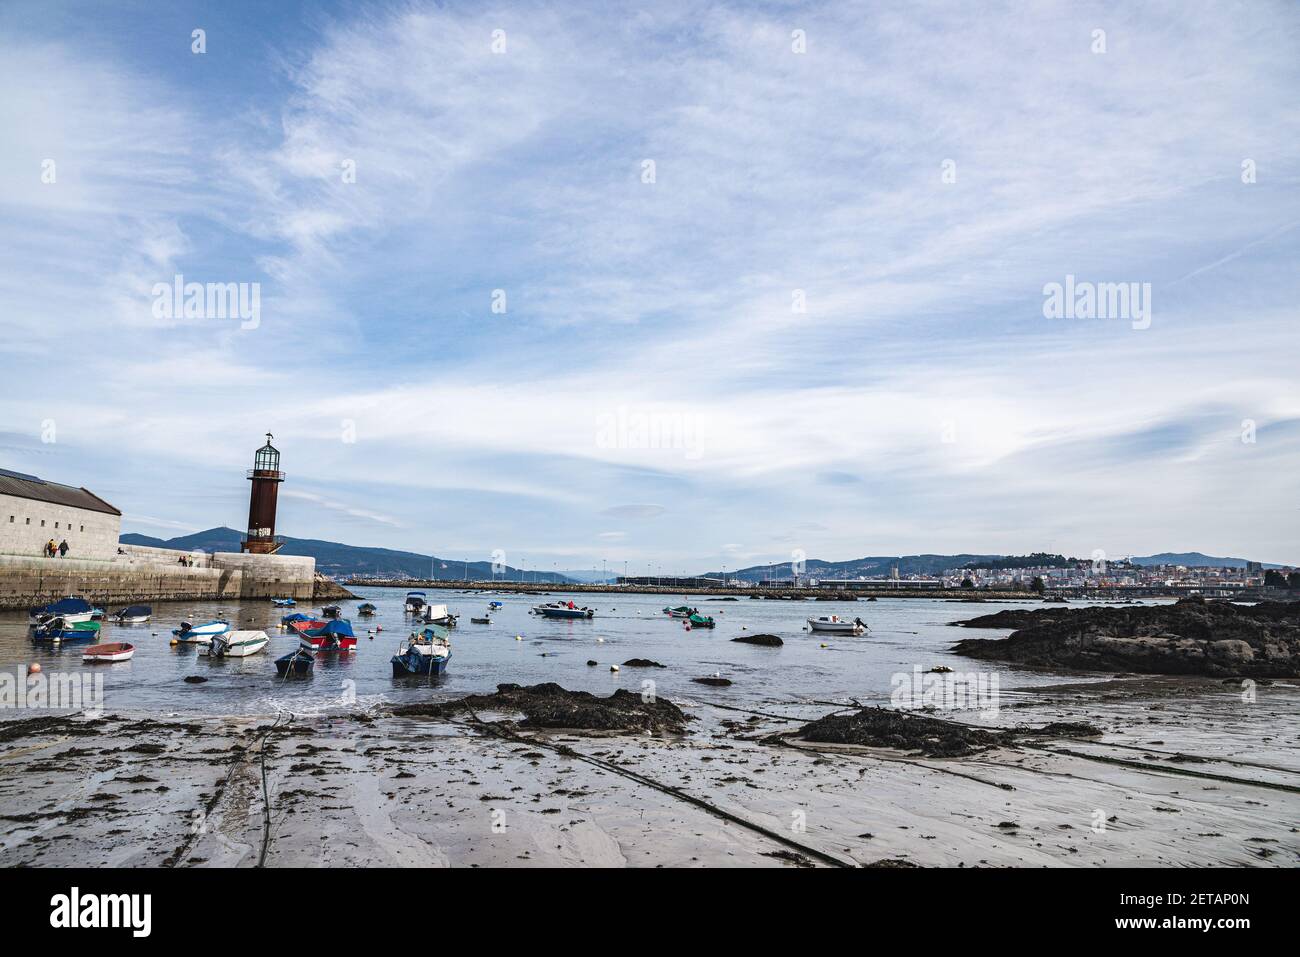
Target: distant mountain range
(880, 566)
(339, 561)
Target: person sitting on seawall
(63, 548)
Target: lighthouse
(266, 478)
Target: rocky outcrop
(1191, 637)
(327, 589)
(551, 706)
(769, 641)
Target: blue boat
(59, 630)
(564, 611)
(283, 602)
(495, 605)
(424, 653)
(296, 616)
(296, 664)
(71, 610)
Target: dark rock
(642, 663)
(1191, 637)
(194, 679)
(550, 706)
(933, 737)
(769, 641)
(592, 663)
(714, 681)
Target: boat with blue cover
(294, 616)
(424, 653)
(71, 610)
(565, 611)
(283, 602)
(134, 614)
(334, 635)
(366, 609)
(415, 602)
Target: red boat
(335, 635)
(307, 624)
(112, 651)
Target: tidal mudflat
(1185, 771)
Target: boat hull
(414, 663)
(236, 644)
(297, 664)
(567, 613)
(111, 652)
(835, 627)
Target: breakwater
(154, 575)
(769, 594)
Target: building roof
(20, 485)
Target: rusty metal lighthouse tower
(266, 478)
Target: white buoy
(613, 667)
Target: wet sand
(1186, 773)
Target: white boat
(437, 615)
(236, 644)
(836, 625)
(200, 634)
(113, 651)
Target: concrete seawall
(27, 581)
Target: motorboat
(58, 630)
(200, 634)
(366, 609)
(438, 615)
(236, 644)
(681, 611)
(72, 610)
(424, 653)
(108, 652)
(415, 602)
(701, 621)
(134, 615)
(283, 602)
(331, 611)
(835, 625)
(562, 610)
(333, 635)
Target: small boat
(200, 634)
(415, 602)
(295, 616)
(480, 621)
(424, 653)
(283, 602)
(567, 611)
(366, 610)
(495, 606)
(111, 651)
(835, 625)
(307, 623)
(96, 614)
(331, 611)
(333, 635)
(681, 611)
(295, 664)
(236, 644)
(71, 610)
(701, 621)
(58, 630)
(134, 614)
(438, 615)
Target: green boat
(701, 621)
(57, 630)
(681, 611)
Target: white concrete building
(34, 511)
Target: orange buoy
(34, 668)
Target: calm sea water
(904, 633)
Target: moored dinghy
(200, 634)
(331, 611)
(296, 664)
(134, 615)
(415, 602)
(283, 602)
(108, 652)
(366, 609)
(424, 653)
(681, 611)
(236, 644)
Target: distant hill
(1193, 560)
(875, 567)
(338, 560)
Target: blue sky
(653, 392)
